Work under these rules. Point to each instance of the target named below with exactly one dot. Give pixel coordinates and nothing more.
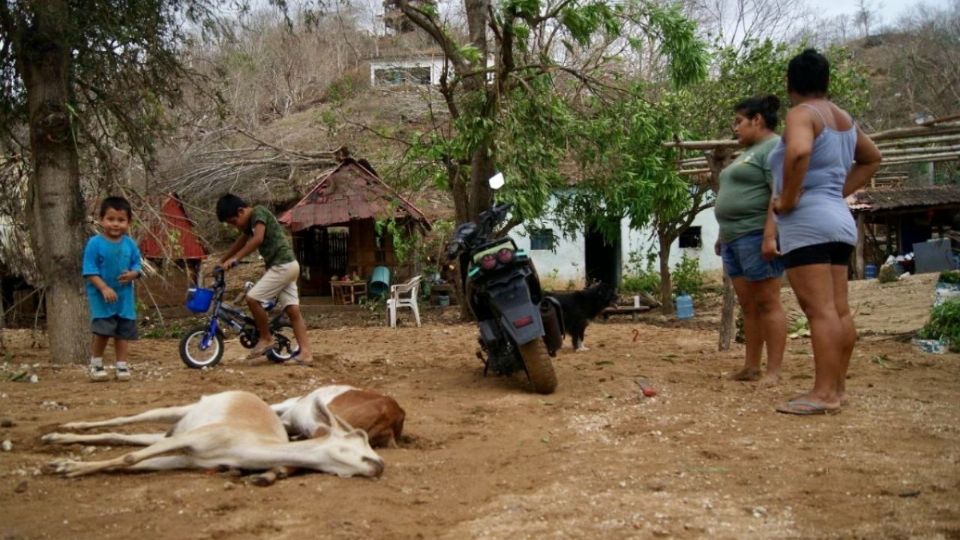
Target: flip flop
(803, 407)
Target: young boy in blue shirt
(111, 262)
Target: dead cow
(232, 429)
(379, 415)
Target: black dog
(580, 307)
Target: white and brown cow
(232, 429)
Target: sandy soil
(484, 458)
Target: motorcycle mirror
(496, 181)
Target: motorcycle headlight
(505, 255)
(488, 262)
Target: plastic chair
(404, 295)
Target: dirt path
(486, 459)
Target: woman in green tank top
(747, 240)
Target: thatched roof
(904, 198)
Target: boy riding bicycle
(260, 231)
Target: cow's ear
(322, 414)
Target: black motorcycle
(519, 326)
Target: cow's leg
(115, 439)
(286, 405)
(270, 477)
(164, 463)
(169, 444)
(167, 415)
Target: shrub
(638, 278)
(687, 278)
(952, 276)
(944, 324)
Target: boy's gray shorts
(115, 327)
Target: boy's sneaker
(97, 373)
(123, 372)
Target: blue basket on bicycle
(199, 299)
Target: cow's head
(342, 450)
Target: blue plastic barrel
(379, 281)
(684, 307)
(870, 271)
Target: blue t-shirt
(108, 259)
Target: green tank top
(275, 248)
(745, 188)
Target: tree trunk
(727, 322)
(666, 287)
(57, 213)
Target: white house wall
(566, 263)
(562, 265)
(643, 240)
(435, 65)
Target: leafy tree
(517, 86)
(92, 81)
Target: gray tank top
(821, 215)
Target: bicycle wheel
(198, 349)
(285, 344)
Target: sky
(889, 10)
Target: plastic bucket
(379, 281)
(684, 307)
(199, 299)
(870, 271)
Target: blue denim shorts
(742, 258)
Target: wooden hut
(167, 240)
(891, 220)
(335, 229)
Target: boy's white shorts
(280, 282)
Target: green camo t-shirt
(275, 248)
(744, 196)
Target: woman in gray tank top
(822, 158)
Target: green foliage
(126, 71)
(639, 276)
(628, 173)
(681, 43)
(345, 87)
(944, 324)
(687, 278)
(952, 276)
(404, 239)
(547, 110)
(759, 68)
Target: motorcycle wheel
(539, 367)
(285, 345)
(196, 357)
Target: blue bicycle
(202, 346)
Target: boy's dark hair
(808, 73)
(116, 203)
(229, 206)
(767, 107)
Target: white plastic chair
(404, 295)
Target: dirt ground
(484, 458)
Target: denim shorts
(742, 258)
(116, 327)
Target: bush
(944, 324)
(952, 276)
(638, 278)
(687, 278)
